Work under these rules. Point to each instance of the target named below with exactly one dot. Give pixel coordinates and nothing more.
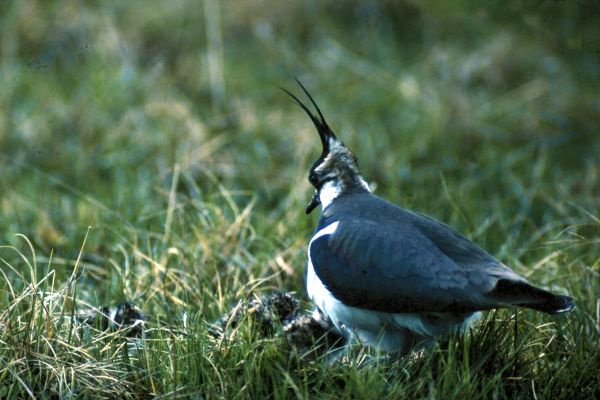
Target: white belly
(396, 332)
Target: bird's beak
(314, 202)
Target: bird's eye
(312, 178)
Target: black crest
(325, 132)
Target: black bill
(314, 202)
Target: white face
(328, 193)
(332, 189)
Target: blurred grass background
(160, 126)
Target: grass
(148, 156)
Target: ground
(147, 156)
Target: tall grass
(482, 115)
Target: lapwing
(395, 278)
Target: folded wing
(418, 265)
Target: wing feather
(385, 258)
(365, 265)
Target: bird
(393, 278)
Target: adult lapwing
(396, 278)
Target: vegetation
(147, 155)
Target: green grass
(127, 173)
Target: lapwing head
(335, 172)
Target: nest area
(273, 314)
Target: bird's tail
(522, 294)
